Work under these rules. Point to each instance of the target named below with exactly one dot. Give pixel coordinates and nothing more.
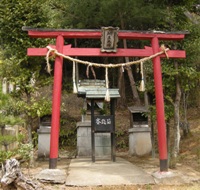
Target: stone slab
(83, 172)
(52, 175)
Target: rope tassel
(92, 69)
(107, 96)
(142, 86)
(73, 78)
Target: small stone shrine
(139, 132)
(44, 132)
(95, 134)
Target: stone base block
(44, 142)
(84, 147)
(140, 141)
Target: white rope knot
(164, 49)
(50, 50)
(123, 67)
(92, 69)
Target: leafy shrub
(7, 139)
(4, 155)
(24, 151)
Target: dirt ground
(148, 164)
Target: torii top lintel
(96, 34)
(89, 33)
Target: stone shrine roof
(95, 89)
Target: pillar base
(162, 175)
(53, 163)
(164, 165)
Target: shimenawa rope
(106, 66)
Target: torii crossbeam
(61, 34)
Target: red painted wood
(55, 123)
(92, 52)
(97, 34)
(162, 141)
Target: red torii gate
(61, 34)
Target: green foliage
(132, 14)
(67, 137)
(83, 111)
(35, 108)
(24, 151)
(105, 109)
(17, 67)
(4, 155)
(121, 139)
(68, 133)
(21, 138)
(8, 110)
(7, 139)
(15, 15)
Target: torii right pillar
(160, 113)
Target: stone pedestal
(44, 141)
(84, 148)
(140, 141)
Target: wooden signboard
(103, 123)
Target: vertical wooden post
(112, 134)
(92, 130)
(57, 87)
(162, 142)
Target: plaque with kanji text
(103, 123)
(109, 39)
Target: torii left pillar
(57, 86)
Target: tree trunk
(168, 141)
(185, 124)
(28, 119)
(176, 120)
(29, 129)
(136, 98)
